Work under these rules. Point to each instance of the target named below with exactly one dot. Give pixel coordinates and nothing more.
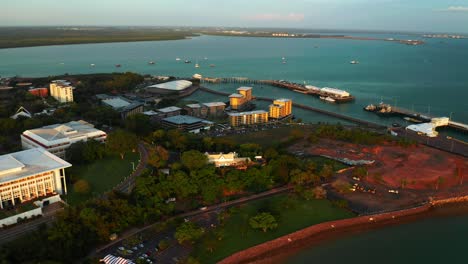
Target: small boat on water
(187, 61)
(177, 59)
(197, 65)
(92, 65)
(151, 62)
(327, 99)
(118, 65)
(412, 120)
(354, 62)
(212, 65)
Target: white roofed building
(170, 87)
(57, 138)
(335, 92)
(225, 160)
(29, 174)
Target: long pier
(295, 87)
(306, 107)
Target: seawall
(267, 249)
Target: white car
(121, 248)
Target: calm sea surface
(430, 241)
(432, 78)
(429, 78)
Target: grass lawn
(101, 175)
(266, 138)
(291, 212)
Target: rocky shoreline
(277, 250)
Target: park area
(101, 176)
(291, 212)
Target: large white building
(62, 91)
(57, 138)
(30, 174)
(171, 87)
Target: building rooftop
(248, 113)
(193, 105)
(174, 85)
(150, 113)
(185, 119)
(234, 95)
(116, 102)
(27, 163)
(213, 104)
(284, 100)
(244, 88)
(62, 131)
(169, 109)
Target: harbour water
(430, 78)
(429, 241)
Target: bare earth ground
(417, 172)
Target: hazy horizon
(358, 15)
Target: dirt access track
(416, 167)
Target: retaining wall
(276, 245)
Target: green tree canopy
(263, 221)
(194, 160)
(188, 232)
(121, 141)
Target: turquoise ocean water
(429, 78)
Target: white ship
(354, 62)
(177, 59)
(327, 99)
(197, 65)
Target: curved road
(199, 212)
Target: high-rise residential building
(62, 91)
(248, 118)
(239, 100)
(281, 108)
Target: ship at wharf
(332, 94)
(412, 116)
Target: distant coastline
(35, 37)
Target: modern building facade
(168, 111)
(239, 100)
(29, 174)
(57, 138)
(248, 118)
(186, 123)
(214, 109)
(41, 92)
(124, 106)
(62, 91)
(281, 108)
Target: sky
(392, 15)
